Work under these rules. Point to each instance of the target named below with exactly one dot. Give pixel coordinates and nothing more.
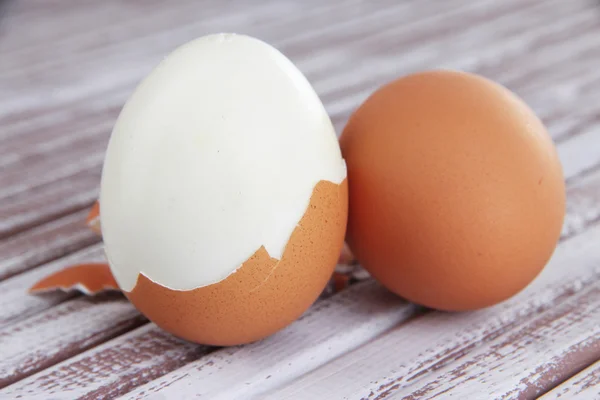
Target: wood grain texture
(66, 69)
(62, 331)
(438, 340)
(524, 362)
(45, 243)
(583, 386)
(282, 363)
(366, 45)
(48, 202)
(112, 369)
(16, 303)
(369, 300)
(365, 311)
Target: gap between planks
(49, 201)
(68, 127)
(365, 311)
(202, 375)
(68, 170)
(524, 362)
(61, 237)
(45, 243)
(439, 347)
(583, 386)
(573, 224)
(578, 154)
(590, 136)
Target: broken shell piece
(340, 282)
(93, 218)
(89, 279)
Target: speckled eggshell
(457, 196)
(223, 200)
(264, 294)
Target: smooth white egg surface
(214, 155)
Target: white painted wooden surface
(402, 354)
(16, 303)
(67, 66)
(583, 386)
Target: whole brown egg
(457, 195)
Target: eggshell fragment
(264, 294)
(93, 219)
(89, 279)
(457, 196)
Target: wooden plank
(583, 386)
(512, 59)
(43, 145)
(16, 304)
(392, 18)
(365, 299)
(582, 204)
(316, 16)
(45, 243)
(61, 332)
(524, 362)
(336, 36)
(112, 369)
(426, 345)
(50, 169)
(363, 40)
(47, 202)
(577, 153)
(71, 192)
(344, 323)
(429, 48)
(364, 311)
(133, 49)
(73, 117)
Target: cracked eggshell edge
(240, 108)
(265, 294)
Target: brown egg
(457, 196)
(264, 294)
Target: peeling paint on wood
(63, 84)
(518, 28)
(414, 351)
(60, 332)
(48, 202)
(45, 243)
(583, 386)
(208, 381)
(318, 330)
(17, 304)
(112, 369)
(521, 363)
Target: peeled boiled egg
(223, 194)
(457, 196)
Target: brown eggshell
(264, 294)
(89, 279)
(457, 197)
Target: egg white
(215, 154)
